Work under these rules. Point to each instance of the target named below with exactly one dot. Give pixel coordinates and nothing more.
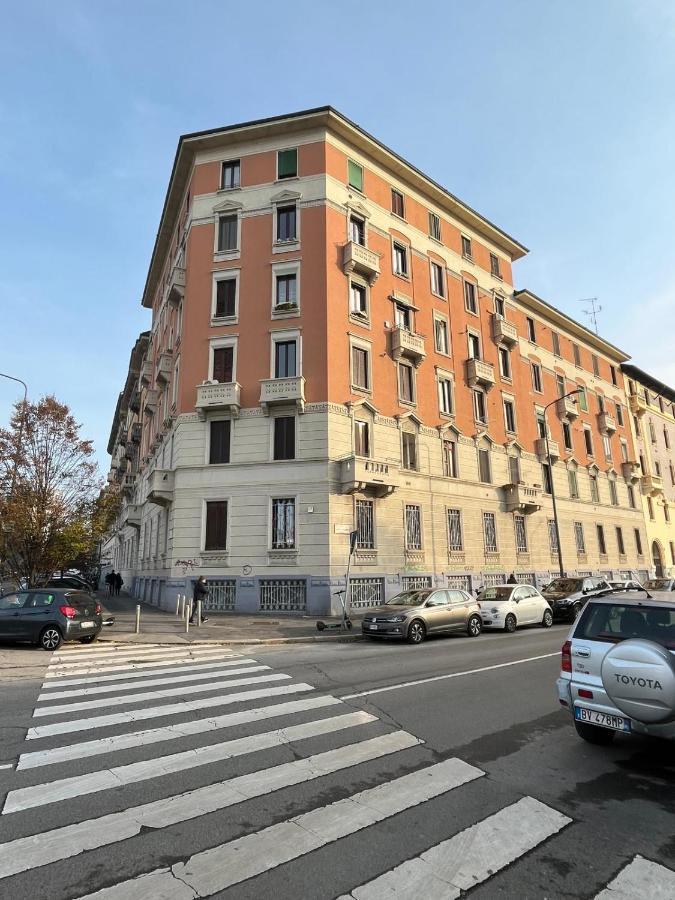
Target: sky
(554, 120)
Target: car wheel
(594, 734)
(510, 623)
(417, 632)
(474, 626)
(547, 620)
(50, 638)
(89, 639)
(575, 610)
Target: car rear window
(614, 622)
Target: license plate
(373, 627)
(86, 624)
(605, 720)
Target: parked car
(48, 616)
(411, 615)
(507, 606)
(618, 668)
(567, 596)
(660, 585)
(70, 582)
(623, 587)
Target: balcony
(638, 404)
(521, 498)
(164, 366)
(405, 343)
(480, 373)
(504, 332)
(128, 484)
(151, 401)
(361, 260)
(136, 432)
(160, 487)
(223, 396)
(135, 401)
(146, 372)
(130, 516)
(553, 448)
(360, 474)
(652, 484)
(282, 392)
(566, 406)
(606, 422)
(130, 451)
(631, 471)
(176, 288)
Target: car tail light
(98, 609)
(566, 664)
(68, 611)
(588, 695)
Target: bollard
(177, 603)
(138, 618)
(182, 606)
(187, 618)
(199, 612)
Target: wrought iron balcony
(522, 498)
(361, 474)
(219, 396)
(135, 401)
(567, 407)
(136, 432)
(480, 373)
(282, 392)
(553, 448)
(176, 286)
(504, 332)
(406, 343)
(360, 259)
(160, 487)
(606, 422)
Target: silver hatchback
(411, 615)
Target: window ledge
(226, 254)
(285, 246)
(361, 390)
(402, 276)
(286, 179)
(497, 276)
(287, 556)
(468, 257)
(228, 190)
(290, 313)
(358, 320)
(220, 556)
(365, 557)
(224, 320)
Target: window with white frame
(567, 436)
(406, 383)
(624, 450)
(514, 468)
(403, 317)
(619, 415)
(355, 175)
(450, 464)
(473, 343)
(504, 363)
(555, 340)
(531, 330)
(286, 287)
(361, 438)
(228, 232)
(445, 398)
(607, 446)
(480, 407)
(285, 357)
(466, 247)
(397, 203)
(441, 338)
(361, 368)
(287, 223)
(283, 523)
(537, 382)
(484, 466)
(494, 266)
(471, 297)
(547, 478)
(287, 163)
(357, 230)
(434, 226)
(490, 532)
(579, 539)
(409, 450)
(230, 175)
(552, 536)
(400, 252)
(510, 415)
(500, 306)
(573, 484)
(576, 353)
(223, 361)
(595, 490)
(588, 441)
(365, 525)
(455, 535)
(174, 382)
(521, 533)
(437, 280)
(613, 493)
(413, 527)
(225, 295)
(358, 300)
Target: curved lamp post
(550, 469)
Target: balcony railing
(282, 391)
(504, 332)
(219, 396)
(146, 372)
(606, 422)
(631, 470)
(553, 448)
(652, 484)
(360, 474)
(135, 401)
(131, 515)
(405, 343)
(128, 484)
(136, 432)
(567, 407)
(479, 372)
(638, 404)
(151, 401)
(176, 287)
(164, 365)
(360, 259)
(160, 487)
(522, 498)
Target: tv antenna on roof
(592, 313)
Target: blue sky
(556, 121)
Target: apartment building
(337, 346)
(652, 408)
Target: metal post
(138, 618)
(182, 605)
(187, 619)
(177, 603)
(199, 613)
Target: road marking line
(131, 666)
(219, 868)
(641, 878)
(128, 656)
(38, 850)
(470, 857)
(7, 766)
(99, 648)
(207, 665)
(170, 732)
(177, 678)
(66, 708)
(122, 650)
(155, 712)
(405, 684)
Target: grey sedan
(48, 616)
(411, 615)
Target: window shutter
(287, 163)
(355, 175)
(219, 445)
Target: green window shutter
(287, 163)
(355, 175)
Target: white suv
(618, 668)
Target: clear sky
(555, 120)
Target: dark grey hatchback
(48, 616)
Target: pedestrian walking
(512, 579)
(110, 582)
(200, 592)
(119, 581)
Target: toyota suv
(618, 668)
(567, 596)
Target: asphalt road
(457, 744)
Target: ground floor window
(415, 582)
(222, 594)
(364, 592)
(283, 595)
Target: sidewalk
(161, 627)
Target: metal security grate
(413, 527)
(490, 532)
(222, 594)
(521, 534)
(493, 578)
(365, 539)
(459, 582)
(415, 582)
(283, 595)
(526, 578)
(365, 592)
(455, 539)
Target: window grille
(455, 538)
(493, 578)
(365, 532)
(552, 536)
(415, 582)
(283, 523)
(222, 594)
(521, 534)
(364, 592)
(579, 537)
(490, 532)
(413, 527)
(283, 595)
(459, 582)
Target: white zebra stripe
(131, 666)
(209, 663)
(641, 878)
(23, 854)
(103, 662)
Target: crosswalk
(134, 744)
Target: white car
(507, 606)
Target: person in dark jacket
(201, 592)
(119, 581)
(512, 579)
(110, 581)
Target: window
(474, 345)
(607, 446)
(445, 395)
(619, 541)
(400, 260)
(286, 291)
(619, 414)
(229, 177)
(638, 541)
(358, 300)
(588, 441)
(666, 511)
(455, 536)
(286, 223)
(552, 536)
(450, 468)
(652, 432)
(595, 491)
(484, 468)
(631, 496)
(521, 533)
(577, 354)
(613, 493)
(434, 226)
(542, 430)
(510, 416)
(441, 342)
(490, 533)
(567, 436)
(361, 438)
(365, 532)
(643, 465)
(223, 364)
(666, 439)
(357, 230)
(671, 544)
(672, 473)
(403, 317)
(537, 383)
(601, 403)
(284, 437)
(397, 203)
(360, 368)
(514, 469)
(531, 330)
(413, 527)
(406, 383)
(546, 477)
(355, 175)
(596, 364)
(500, 306)
(409, 448)
(555, 338)
(650, 507)
(583, 398)
(437, 283)
(466, 247)
(285, 359)
(228, 228)
(504, 363)
(219, 442)
(612, 372)
(602, 546)
(283, 523)
(573, 484)
(494, 266)
(287, 163)
(480, 407)
(174, 382)
(579, 537)
(226, 298)
(470, 297)
(216, 525)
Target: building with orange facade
(337, 345)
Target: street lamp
(21, 421)
(550, 470)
